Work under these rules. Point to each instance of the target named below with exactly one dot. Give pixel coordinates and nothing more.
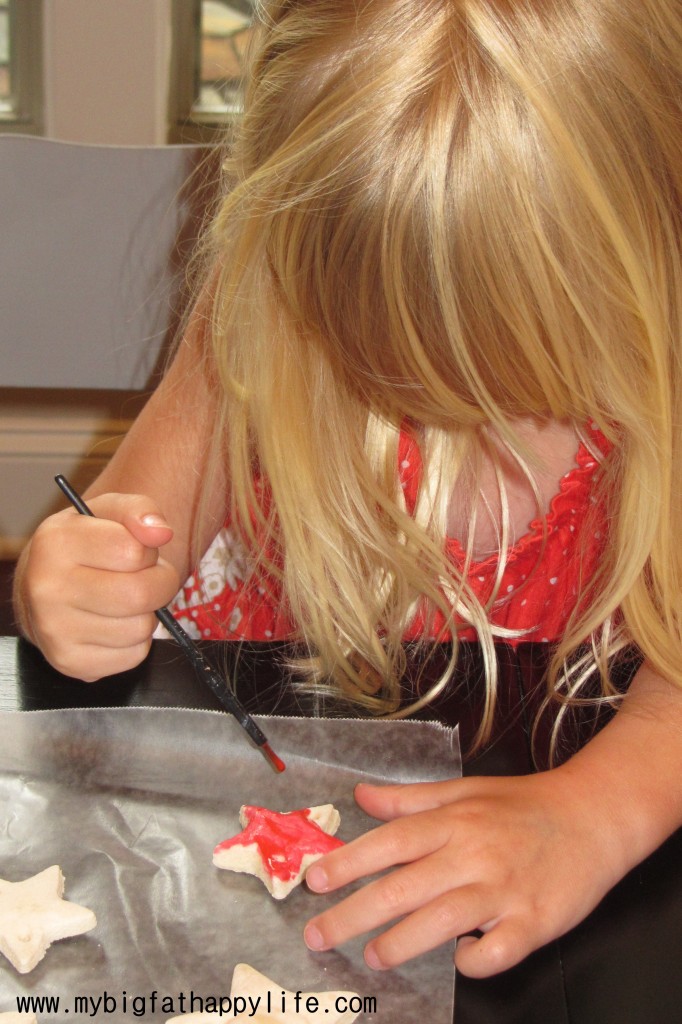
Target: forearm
(166, 456)
(630, 774)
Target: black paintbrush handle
(210, 676)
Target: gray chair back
(94, 242)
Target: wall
(106, 68)
(45, 433)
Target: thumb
(140, 515)
(149, 528)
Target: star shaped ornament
(33, 915)
(279, 847)
(12, 1017)
(255, 998)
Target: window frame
(185, 125)
(26, 69)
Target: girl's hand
(520, 859)
(87, 588)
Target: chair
(93, 246)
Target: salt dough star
(268, 1003)
(33, 914)
(12, 1017)
(279, 848)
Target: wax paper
(130, 802)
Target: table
(619, 966)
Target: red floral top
(227, 600)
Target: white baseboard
(35, 445)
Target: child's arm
(522, 859)
(86, 588)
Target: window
(20, 66)
(209, 41)
(5, 78)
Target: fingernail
(312, 937)
(372, 960)
(316, 879)
(153, 520)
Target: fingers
(123, 534)
(503, 946)
(120, 593)
(450, 915)
(422, 894)
(398, 842)
(389, 802)
(93, 630)
(91, 584)
(95, 662)
(430, 916)
(87, 645)
(415, 842)
(71, 541)
(500, 856)
(93, 566)
(376, 904)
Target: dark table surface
(620, 966)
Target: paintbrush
(202, 666)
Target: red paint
(283, 840)
(276, 762)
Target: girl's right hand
(87, 588)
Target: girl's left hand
(520, 859)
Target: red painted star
(279, 847)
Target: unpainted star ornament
(266, 1002)
(33, 915)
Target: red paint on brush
(276, 762)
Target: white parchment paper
(130, 802)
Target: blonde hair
(451, 214)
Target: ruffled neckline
(574, 494)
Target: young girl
(443, 302)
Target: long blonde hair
(448, 214)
